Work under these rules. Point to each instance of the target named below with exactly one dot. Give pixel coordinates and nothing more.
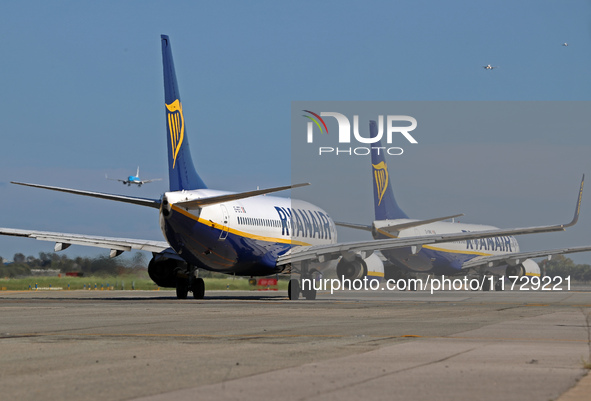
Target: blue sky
(82, 96)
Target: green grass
(117, 283)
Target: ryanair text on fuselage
(304, 223)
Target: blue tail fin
(385, 205)
(181, 172)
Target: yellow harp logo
(176, 127)
(380, 173)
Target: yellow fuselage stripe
(236, 232)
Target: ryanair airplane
(493, 256)
(244, 233)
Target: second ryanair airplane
(242, 233)
(495, 257)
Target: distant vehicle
(489, 67)
(134, 179)
(565, 44)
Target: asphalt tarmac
(136, 345)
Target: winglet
(578, 206)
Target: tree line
(559, 265)
(563, 267)
(99, 266)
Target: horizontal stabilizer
(396, 228)
(151, 180)
(155, 203)
(363, 227)
(197, 203)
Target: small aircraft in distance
(489, 67)
(565, 44)
(134, 179)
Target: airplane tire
(198, 288)
(293, 289)
(310, 295)
(182, 288)
(499, 286)
(486, 286)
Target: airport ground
(147, 345)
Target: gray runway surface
(120, 345)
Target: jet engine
(528, 267)
(357, 267)
(164, 271)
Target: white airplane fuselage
(243, 236)
(444, 258)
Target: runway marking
(165, 335)
(254, 336)
(515, 339)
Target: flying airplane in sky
(241, 233)
(565, 44)
(134, 179)
(498, 256)
(489, 67)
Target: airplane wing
(332, 251)
(151, 180)
(115, 179)
(116, 245)
(514, 259)
(155, 203)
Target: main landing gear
(295, 288)
(397, 274)
(194, 284)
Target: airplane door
(225, 222)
